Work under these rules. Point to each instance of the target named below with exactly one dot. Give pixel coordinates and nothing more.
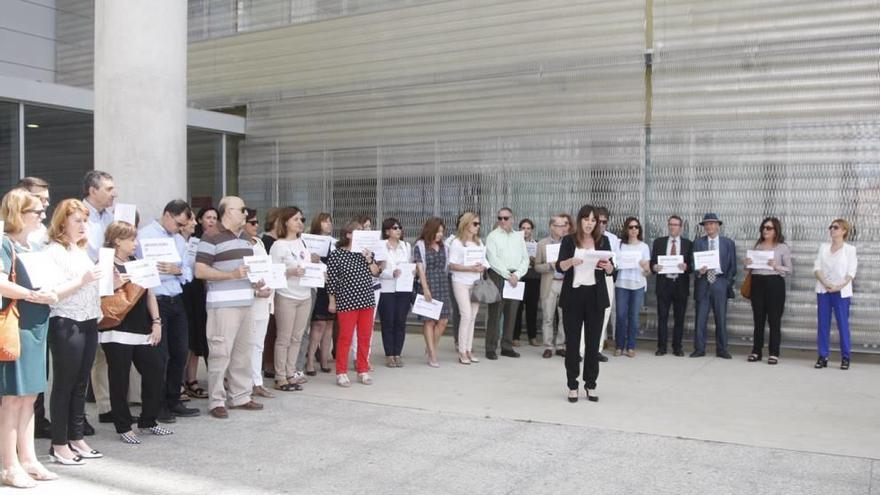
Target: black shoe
(602, 358)
(678, 353)
(105, 417)
(43, 429)
(724, 355)
(268, 374)
(511, 354)
(821, 363)
(88, 430)
(697, 354)
(165, 416)
(660, 352)
(560, 352)
(491, 356)
(844, 364)
(183, 411)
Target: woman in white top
(465, 271)
(293, 304)
(73, 330)
(629, 290)
(260, 310)
(835, 269)
(395, 301)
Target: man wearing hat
(713, 287)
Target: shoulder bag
(746, 288)
(10, 340)
(116, 307)
(485, 291)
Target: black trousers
(580, 311)
(768, 304)
(393, 308)
(73, 345)
(174, 344)
(150, 363)
(529, 304)
(668, 297)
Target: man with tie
(713, 286)
(672, 289)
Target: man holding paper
(172, 276)
(509, 260)
(673, 283)
(715, 262)
(551, 284)
(220, 262)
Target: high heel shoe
(844, 364)
(472, 358)
(38, 471)
(463, 359)
(821, 363)
(17, 478)
(591, 396)
(573, 396)
(92, 454)
(75, 461)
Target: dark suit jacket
(566, 251)
(727, 255)
(682, 283)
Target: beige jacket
(544, 268)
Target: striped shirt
(225, 251)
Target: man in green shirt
(509, 260)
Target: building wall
(27, 39)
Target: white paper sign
(669, 264)
(629, 259)
(276, 277)
(192, 249)
(314, 276)
(553, 252)
(593, 257)
(404, 282)
(427, 309)
(365, 239)
(124, 212)
(474, 255)
(532, 248)
(259, 267)
(710, 259)
(160, 249)
(759, 259)
(105, 262)
(38, 268)
(317, 244)
(515, 293)
(143, 273)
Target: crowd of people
(90, 277)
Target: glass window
(8, 145)
(204, 167)
(59, 147)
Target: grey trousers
(508, 308)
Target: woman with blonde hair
(73, 330)
(22, 379)
(467, 262)
(835, 269)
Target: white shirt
(401, 254)
(292, 254)
(677, 246)
(70, 264)
(836, 267)
(633, 278)
(457, 256)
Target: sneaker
(342, 380)
(365, 378)
(631, 353)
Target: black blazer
(566, 251)
(682, 284)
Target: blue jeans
(829, 303)
(629, 303)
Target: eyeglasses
(243, 209)
(254, 222)
(476, 224)
(834, 227)
(560, 225)
(38, 212)
(768, 227)
(603, 222)
(395, 227)
(673, 224)
(503, 219)
(633, 227)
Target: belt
(167, 298)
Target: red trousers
(348, 320)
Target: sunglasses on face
(254, 222)
(243, 209)
(503, 219)
(476, 224)
(634, 227)
(603, 222)
(395, 227)
(834, 227)
(768, 227)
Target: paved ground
(663, 425)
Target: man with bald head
(220, 262)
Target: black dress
(197, 316)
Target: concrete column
(140, 99)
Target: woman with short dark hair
(394, 304)
(630, 288)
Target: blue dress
(27, 375)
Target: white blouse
(401, 254)
(836, 267)
(293, 254)
(70, 264)
(457, 255)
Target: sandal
(286, 386)
(195, 391)
(772, 360)
(753, 358)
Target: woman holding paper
(292, 303)
(835, 269)
(134, 340)
(769, 263)
(22, 379)
(397, 286)
(321, 332)
(260, 311)
(73, 330)
(529, 304)
(431, 258)
(630, 287)
(350, 288)
(584, 298)
(467, 261)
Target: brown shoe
(548, 353)
(260, 391)
(534, 343)
(219, 412)
(516, 343)
(249, 406)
